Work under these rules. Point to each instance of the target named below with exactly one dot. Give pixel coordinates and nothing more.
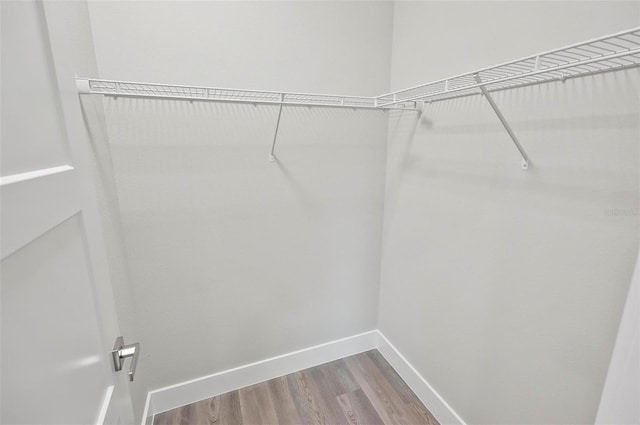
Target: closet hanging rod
(608, 53)
(119, 88)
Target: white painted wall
(505, 288)
(232, 258)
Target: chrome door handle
(120, 352)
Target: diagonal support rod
(487, 95)
(275, 135)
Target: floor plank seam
(363, 389)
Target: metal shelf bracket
(272, 156)
(525, 158)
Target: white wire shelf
(172, 91)
(609, 53)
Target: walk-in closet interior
(320, 212)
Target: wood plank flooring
(362, 389)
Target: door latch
(120, 352)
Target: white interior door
(58, 320)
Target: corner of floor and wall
(170, 397)
(505, 288)
(494, 292)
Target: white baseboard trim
(147, 413)
(423, 390)
(177, 395)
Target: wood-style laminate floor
(361, 389)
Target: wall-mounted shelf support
(505, 123)
(275, 134)
(613, 52)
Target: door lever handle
(120, 352)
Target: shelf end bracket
(83, 85)
(525, 158)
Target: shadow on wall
(402, 133)
(301, 193)
(109, 209)
(575, 141)
(186, 123)
(506, 282)
(196, 140)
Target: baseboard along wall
(167, 398)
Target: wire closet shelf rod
(217, 94)
(609, 53)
